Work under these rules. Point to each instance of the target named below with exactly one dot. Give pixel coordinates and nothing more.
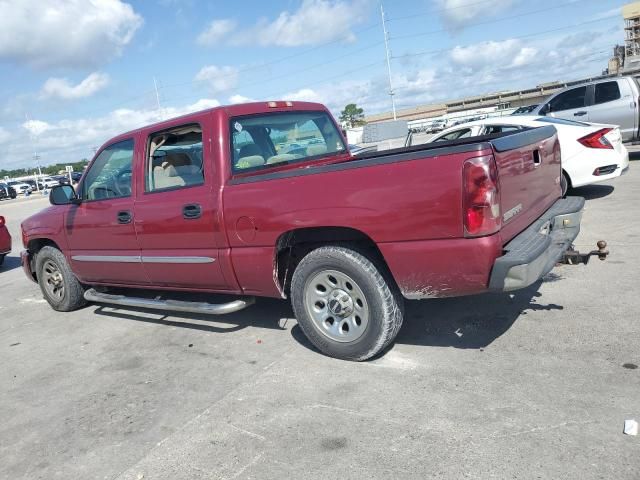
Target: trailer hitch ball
(602, 249)
(574, 257)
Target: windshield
(260, 141)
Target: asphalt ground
(536, 384)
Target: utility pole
(155, 85)
(386, 48)
(36, 158)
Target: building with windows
(631, 15)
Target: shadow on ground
(592, 192)
(464, 322)
(10, 263)
(266, 313)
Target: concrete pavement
(528, 385)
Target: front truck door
(571, 104)
(176, 211)
(100, 230)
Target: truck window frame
(268, 167)
(81, 187)
(595, 92)
(570, 90)
(147, 172)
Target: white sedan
(590, 152)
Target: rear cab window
(261, 141)
(607, 92)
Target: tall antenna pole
(386, 48)
(155, 84)
(36, 157)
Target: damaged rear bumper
(534, 252)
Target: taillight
(597, 139)
(2, 222)
(481, 197)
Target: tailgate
(529, 173)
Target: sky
(74, 73)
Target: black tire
(564, 184)
(383, 302)
(71, 297)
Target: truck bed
(408, 201)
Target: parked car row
(42, 183)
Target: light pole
(36, 158)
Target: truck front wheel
(344, 304)
(59, 285)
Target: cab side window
(607, 92)
(110, 174)
(175, 159)
(574, 98)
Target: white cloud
(219, 79)
(216, 31)
(233, 99)
(74, 33)
(457, 13)
(314, 22)
(36, 127)
(73, 139)
(506, 53)
(303, 95)
(61, 88)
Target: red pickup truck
(264, 199)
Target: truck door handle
(191, 211)
(124, 217)
(580, 113)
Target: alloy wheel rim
(53, 280)
(337, 305)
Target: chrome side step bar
(92, 295)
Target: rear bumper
(25, 259)
(534, 252)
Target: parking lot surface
(536, 384)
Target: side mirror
(546, 108)
(63, 195)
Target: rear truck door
(615, 103)
(176, 210)
(529, 174)
(571, 104)
(100, 232)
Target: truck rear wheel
(60, 288)
(344, 304)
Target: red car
(5, 240)
(265, 199)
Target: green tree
(352, 116)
